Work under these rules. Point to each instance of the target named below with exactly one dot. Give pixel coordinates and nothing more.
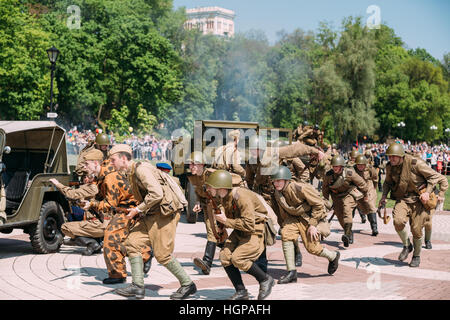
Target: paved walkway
(369, 269)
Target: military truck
(33, 152)
(208, 136)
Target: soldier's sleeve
(236, 165)
(305, 134)
(359, 182)
(154, 190)
(83, 192)
(296, 150)
(246, 222)
(430, 175)
(313, 198)
(299, 166)
(388, 183)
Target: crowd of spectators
(147, 147)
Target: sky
(419, 23)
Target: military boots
(205, 263)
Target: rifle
(99, 215)
(221, 234)
(385, 217)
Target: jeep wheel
(191, 216)
(46, 236)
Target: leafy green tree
(24, 66)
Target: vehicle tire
(191, 216)
(46, 236)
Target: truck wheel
(191, 216)
(46, 236)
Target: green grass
(390, 203)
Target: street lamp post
(52, 56)
(434, 128)
(401, 125)
(447, 133)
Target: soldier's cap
(120, 148)
(163, 166)
(94, 154)
(234, 133)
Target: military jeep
(208, 136)
(35, 152)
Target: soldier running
(410, 182)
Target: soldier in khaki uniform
(345, 187)
(443, 187)
(228, 157)
(410, 182)
(245, 213)
(351, 164)
(299, 170)
(304, 209)
(369, 174)
(85, 232)
(158, 224)
(101, 143)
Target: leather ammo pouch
(356, 194)
(431, 203)
(270, 233)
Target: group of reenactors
(132, 208)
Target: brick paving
(368, 270)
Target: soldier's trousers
(293, 228)
(92, 228)
(242, 249)
(414, 213)
(114, 251)
(366, 207)
(208, 223)
(156, 231)
(343, 209)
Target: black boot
(114, 280)
(205, 263)
(415, 262)
(363, 218)
(298, 256)
(291, 276)
(184, 291)
(235, 277)
(428, 244)
(70, 242)
(373, 223)
(262, 261)
(240, 295)
(333, 265)
(347, 238)
(92, 246)
(133, 290)
(148, 263)
(406, 250)
(266, 282)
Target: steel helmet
(102, 139)
(220, 179)
(354, 154)
(395, 149)
(281, 173)
(361, 159)
(338, 160)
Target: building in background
(211, 20)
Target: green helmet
(257, 142)
(395, 149)
(196, 157)
(102, 139)
(338, 160)
(220, 179)
(361, 159)
(281, 173)
(354, 154)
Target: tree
(24, 66)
